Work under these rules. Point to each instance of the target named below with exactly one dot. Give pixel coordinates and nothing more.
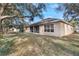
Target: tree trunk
(1, 29)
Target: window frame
(49, 28)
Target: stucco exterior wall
(56, 32)
(60, 29)
(68, 29)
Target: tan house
(51, 27)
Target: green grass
(30, 44)
(5, 46)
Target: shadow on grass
(66, 50)
(55, 46)
(62, 48)
(59, 49)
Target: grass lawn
(25, 44)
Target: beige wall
(68, 29)
(60, 29)
(56, 30)
(65, 29)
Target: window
(52, 28)
(49, 28)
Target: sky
(51, 13)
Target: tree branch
(5, 17)
(1, 11)
(3, 8)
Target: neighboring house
(51, 27)
(77, 28)
(17, 28)
(13, 29)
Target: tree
(74, 22)
(71, 10)
(10, 12)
